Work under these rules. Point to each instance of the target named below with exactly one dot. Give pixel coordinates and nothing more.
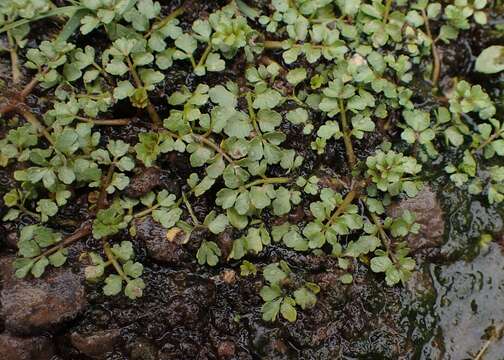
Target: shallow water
(469, 301)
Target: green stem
(212, 145)
(487, 141)
(16, 73)
(347, 136)
(103, 192)
(156, 120)
(190, 209)
(252, 114)
(294, 98)
(273, 44)
(385, 238)
(113, 260)
(275, 180)
(193, 62)
(65, 10)
(435, 54)
(388, 6)
(84, 231)
(109, 122)
(31, 118)
(349, 198)
(28, 212)
(205, 55)
(165, 21)
(145, 212)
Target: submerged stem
(495, 336)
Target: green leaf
(39, 267)
(133, 269)
(305, 298)
(297, 116)
(281, 204)
(167, 218)
(215, 63)
(273, 274)
(269, 293)
(95, 272)
(123, 251)
(208, 253)
(268, 119)
(123, 90)
(491, 60)
(186, 43)
(58, 258)
(222, 96)
(150, 77)
(134, 289)
(288, 310)
(116, 67)
(267, 100)
(23, 267)
(296, 76)
(259, 197)
(380, 263)
(329, 129)
(47, 208)
(219, 224)
(113, 285)
(270, 310)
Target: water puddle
(468, 303)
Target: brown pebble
(228, 276)
(226, 349)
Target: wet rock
(171, 183)
(191, 298)
(143, 349)
(427, 210)
(162, 244)
(226, 349)
(328, 280)
(420, 284)
(143, 182)
(97, 344)
(9, 238)
(32, 305)
(25, 348)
